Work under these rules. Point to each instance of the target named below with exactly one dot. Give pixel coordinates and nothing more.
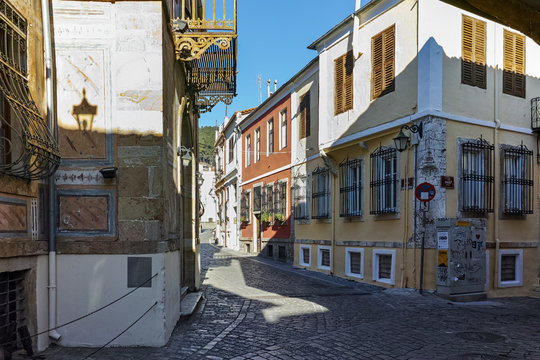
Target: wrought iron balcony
(207, 43)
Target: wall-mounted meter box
(461, 258)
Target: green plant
(266, 217)
(280, 217)
(243, 219)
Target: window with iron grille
(301, 209)
(477, 176)
(517, 180)
(270, 132)
(231, 149)
(350, 190)
(270, 250)
(257, 199)
(282, 253)
(354, 262)
(12, 307)
(280, 199)
(268, 194)
(245, 206)
(384, 181)
(258, 144)
(321, 194)
(510, 268)
(384, 265)
(324, 257)
(305, 255)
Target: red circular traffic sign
(424, 192)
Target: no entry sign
(424, 192)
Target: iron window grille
(477, 176)
(300, 198)
(268, 199)
(321, 194)
(535, 114)
(350, 189)
(244, 206)
(384, 181)
(517, 180)
(12, 307)
(257, 198)
(280, 198)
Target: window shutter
(467, 51)
(377, 66)
(338, 85)
(348, 85)
(307, 102)
(480, 54)
(473, 52)
(514, 64)
(302, 123)
(388, 67)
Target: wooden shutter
(383, 63)
(514, 64)
(338, 84)
(304, 124)
(473, 52)
(348, 83)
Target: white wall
(206, 193)
(88, 282)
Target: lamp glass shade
(186, 159)
(401, 141)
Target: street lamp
(185, 154)
(402, 141)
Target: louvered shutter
(473, 52)
(307, 106)
(377, 66)
(348, 83)
(480, 54)
(389, 59)
(302, 123)
(338, 85)
(514, 64)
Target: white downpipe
(49, 91)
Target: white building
(206, 192)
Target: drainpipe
(497, 161)
(49, 90)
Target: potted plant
(266, 217)
(280, 218)
(243, 219)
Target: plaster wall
(366, 112)
(443, 23)
(88, 282)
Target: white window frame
(375, 269)
(319, 257)
(519, 268)
(301, 255)
(248, 150)
(348, 262)
(257, 145)
(283, 129)
(268, 132)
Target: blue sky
(272, 41)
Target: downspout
(497, 161)
(49, 90)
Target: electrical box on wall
(461, 258)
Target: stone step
(189, 303)
(183, 292)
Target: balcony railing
(205, 37)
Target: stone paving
(258, 309)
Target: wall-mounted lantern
(402, 141)
(84, 113)
(186, 155)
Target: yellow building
(455, 208)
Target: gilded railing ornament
(192, 46)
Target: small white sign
(442, 238)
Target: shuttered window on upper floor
(305, 121)
(383, 62)
(514, 64)
(343, 77)
(473, 52)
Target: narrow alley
(259, 309)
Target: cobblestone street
(258, 309)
